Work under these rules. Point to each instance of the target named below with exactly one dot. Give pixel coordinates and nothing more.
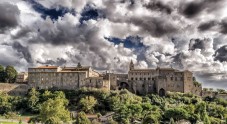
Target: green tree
(123, 114)
(114, 102)
(146, 107)
(11, 74)
(87, 104)
(5, 104)
(176, 114)
(201, 110)
(81, 118)
(53, 111)
(2, 74)
(33, 100)
(221, 90)
(150, 119)
(135, 110)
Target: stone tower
(131, 66)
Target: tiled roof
(48, 67)
(142, 70)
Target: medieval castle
(138, 81)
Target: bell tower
(131, 65)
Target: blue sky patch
(129, 42)
(53, 13)
(90, 13)
(132, 42)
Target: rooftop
(47, 67)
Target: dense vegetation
(8, 74)
(52, 107)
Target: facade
(22, 77)
(139, 81)
(159, 80)
(45, 77)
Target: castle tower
(131, 66)
(79, 65)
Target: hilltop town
(162, 93)
(138, 81)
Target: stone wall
(188, 82)
(61, 80)
(14, 89)
(197, 90)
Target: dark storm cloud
(157, 27)
(194, 8)
(53, 13)
(9, 16)
(159, 6)
(24, 50)
(221, 54)
(58, 62)
(21, 50)
(223, 26)
(196, 44)
(177, 60)
(207, 25)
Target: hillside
(127, 107)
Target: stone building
(159, 80)
(139, 81)
(45, 77)
(22, 77)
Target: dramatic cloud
(194, 8)
(9, 16)
(223, 26)
(159, 6)
(221, 54)
(108, 34)
(207, 25)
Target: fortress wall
(14, 89)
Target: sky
(108, 34)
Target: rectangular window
(149, 78)
(131, 78)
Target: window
(136, 78)
(175, 78)
(149, 78)
(144, 78)
(171, 78)
(131, 78)
(141, 79)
